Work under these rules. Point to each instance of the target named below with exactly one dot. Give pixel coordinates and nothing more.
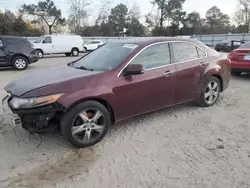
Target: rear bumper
(33, 59)
(240, 65)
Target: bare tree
(103, 13)
(78, 14)
(242, 15)
(134, 12)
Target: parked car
(240, 59)
(59, 44)
(228, 45)
(115, 82)
(16, 52)
(93, 45)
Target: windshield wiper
(84, 68)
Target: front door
(190, 67)
(47, 45)
(152, 90)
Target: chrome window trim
(119, 74)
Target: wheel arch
(220, 79)
(75, 48)
(104, 102)
(40, 50)
(16, 55)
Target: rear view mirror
(134, 69)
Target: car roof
(145, 41)
(11, 37)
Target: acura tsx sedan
(117, 81)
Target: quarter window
(201, 53)
(47, 40)
(154, 56)
(184, 52)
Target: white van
(59, 44)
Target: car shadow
(243, 76)
(6, 68)
(62, 55)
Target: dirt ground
(184, 146)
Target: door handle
(202, 64)
(167, 73)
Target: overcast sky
(201, 6)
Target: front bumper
(34, 119)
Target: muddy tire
(85, 124)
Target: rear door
(152, 90)
(3, 54)
(190, 63)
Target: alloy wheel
(88, 126)
(20, 63)
(212, 92)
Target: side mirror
(134, 69)
(44, 42)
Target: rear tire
(67, 54)
(75, 52)
(80, 122)
(210, 92)
(19, 63)
(236, 73)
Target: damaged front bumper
(34, 119)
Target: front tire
(210, 92)
(85, 124)
(19, 63)
(40, 54)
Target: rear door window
(47, 40)
(184, 52)
(96, 42)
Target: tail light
(228, 61)
(233, 55)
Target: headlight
(22, 103)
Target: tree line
(167, 19)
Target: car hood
(45, 77)
(37, 45)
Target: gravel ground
(184, 146)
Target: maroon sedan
(115, 82)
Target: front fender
(70, 99)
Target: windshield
(39, 39)
(105, 58)
(245, 45)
